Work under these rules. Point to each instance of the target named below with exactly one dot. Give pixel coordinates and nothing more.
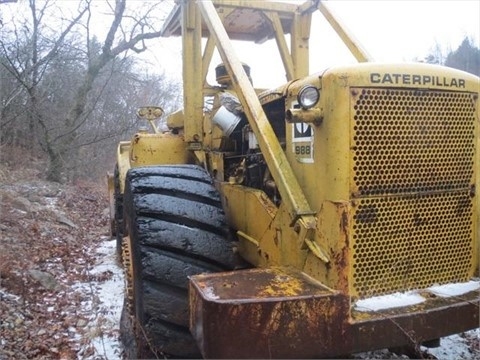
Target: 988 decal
(303, 149)
(302, 142)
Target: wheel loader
(334, 214)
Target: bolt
(296, 228)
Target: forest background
(68, 96)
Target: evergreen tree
(466, 57)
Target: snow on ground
(458, 347)
(104, 301)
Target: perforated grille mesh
(411, 242)
(413, 168)
(407, 140)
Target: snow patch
(413, 297)
(51, 202)
(7, 296)
(209, 293)
(389, 301)
(104, 306)
(458, 347)
(458, 289)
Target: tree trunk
(55, 165)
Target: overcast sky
(403, 30)
(390, 30)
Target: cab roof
(243, 20)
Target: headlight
(308, 96)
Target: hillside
(56, 259)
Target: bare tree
(436, 55)
(114, 117)
(27, 55)
(43, 62)
(141, 30)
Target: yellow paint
(156, 149)
(325, 224)
(282, 286)
(147, 149)
(176, 120)
(192, 75)
(333, 193)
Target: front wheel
(177, 229)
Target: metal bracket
(305, 227)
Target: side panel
(158, 149)
(151, 149)
(256, 238)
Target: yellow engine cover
(158, 149)
(151, 149)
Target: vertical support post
(192, 76)
(300, 36)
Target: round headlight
(308, 96)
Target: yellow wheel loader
(335, 214)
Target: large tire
(177, 229)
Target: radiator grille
(413, 173)
(411, 141)
(402, 243)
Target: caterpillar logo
(414, 79)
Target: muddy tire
(177, 228)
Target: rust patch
(315, 323)
(270, 326)
(340, 262)
(340, 257)
(344, 222)
(342, 210)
